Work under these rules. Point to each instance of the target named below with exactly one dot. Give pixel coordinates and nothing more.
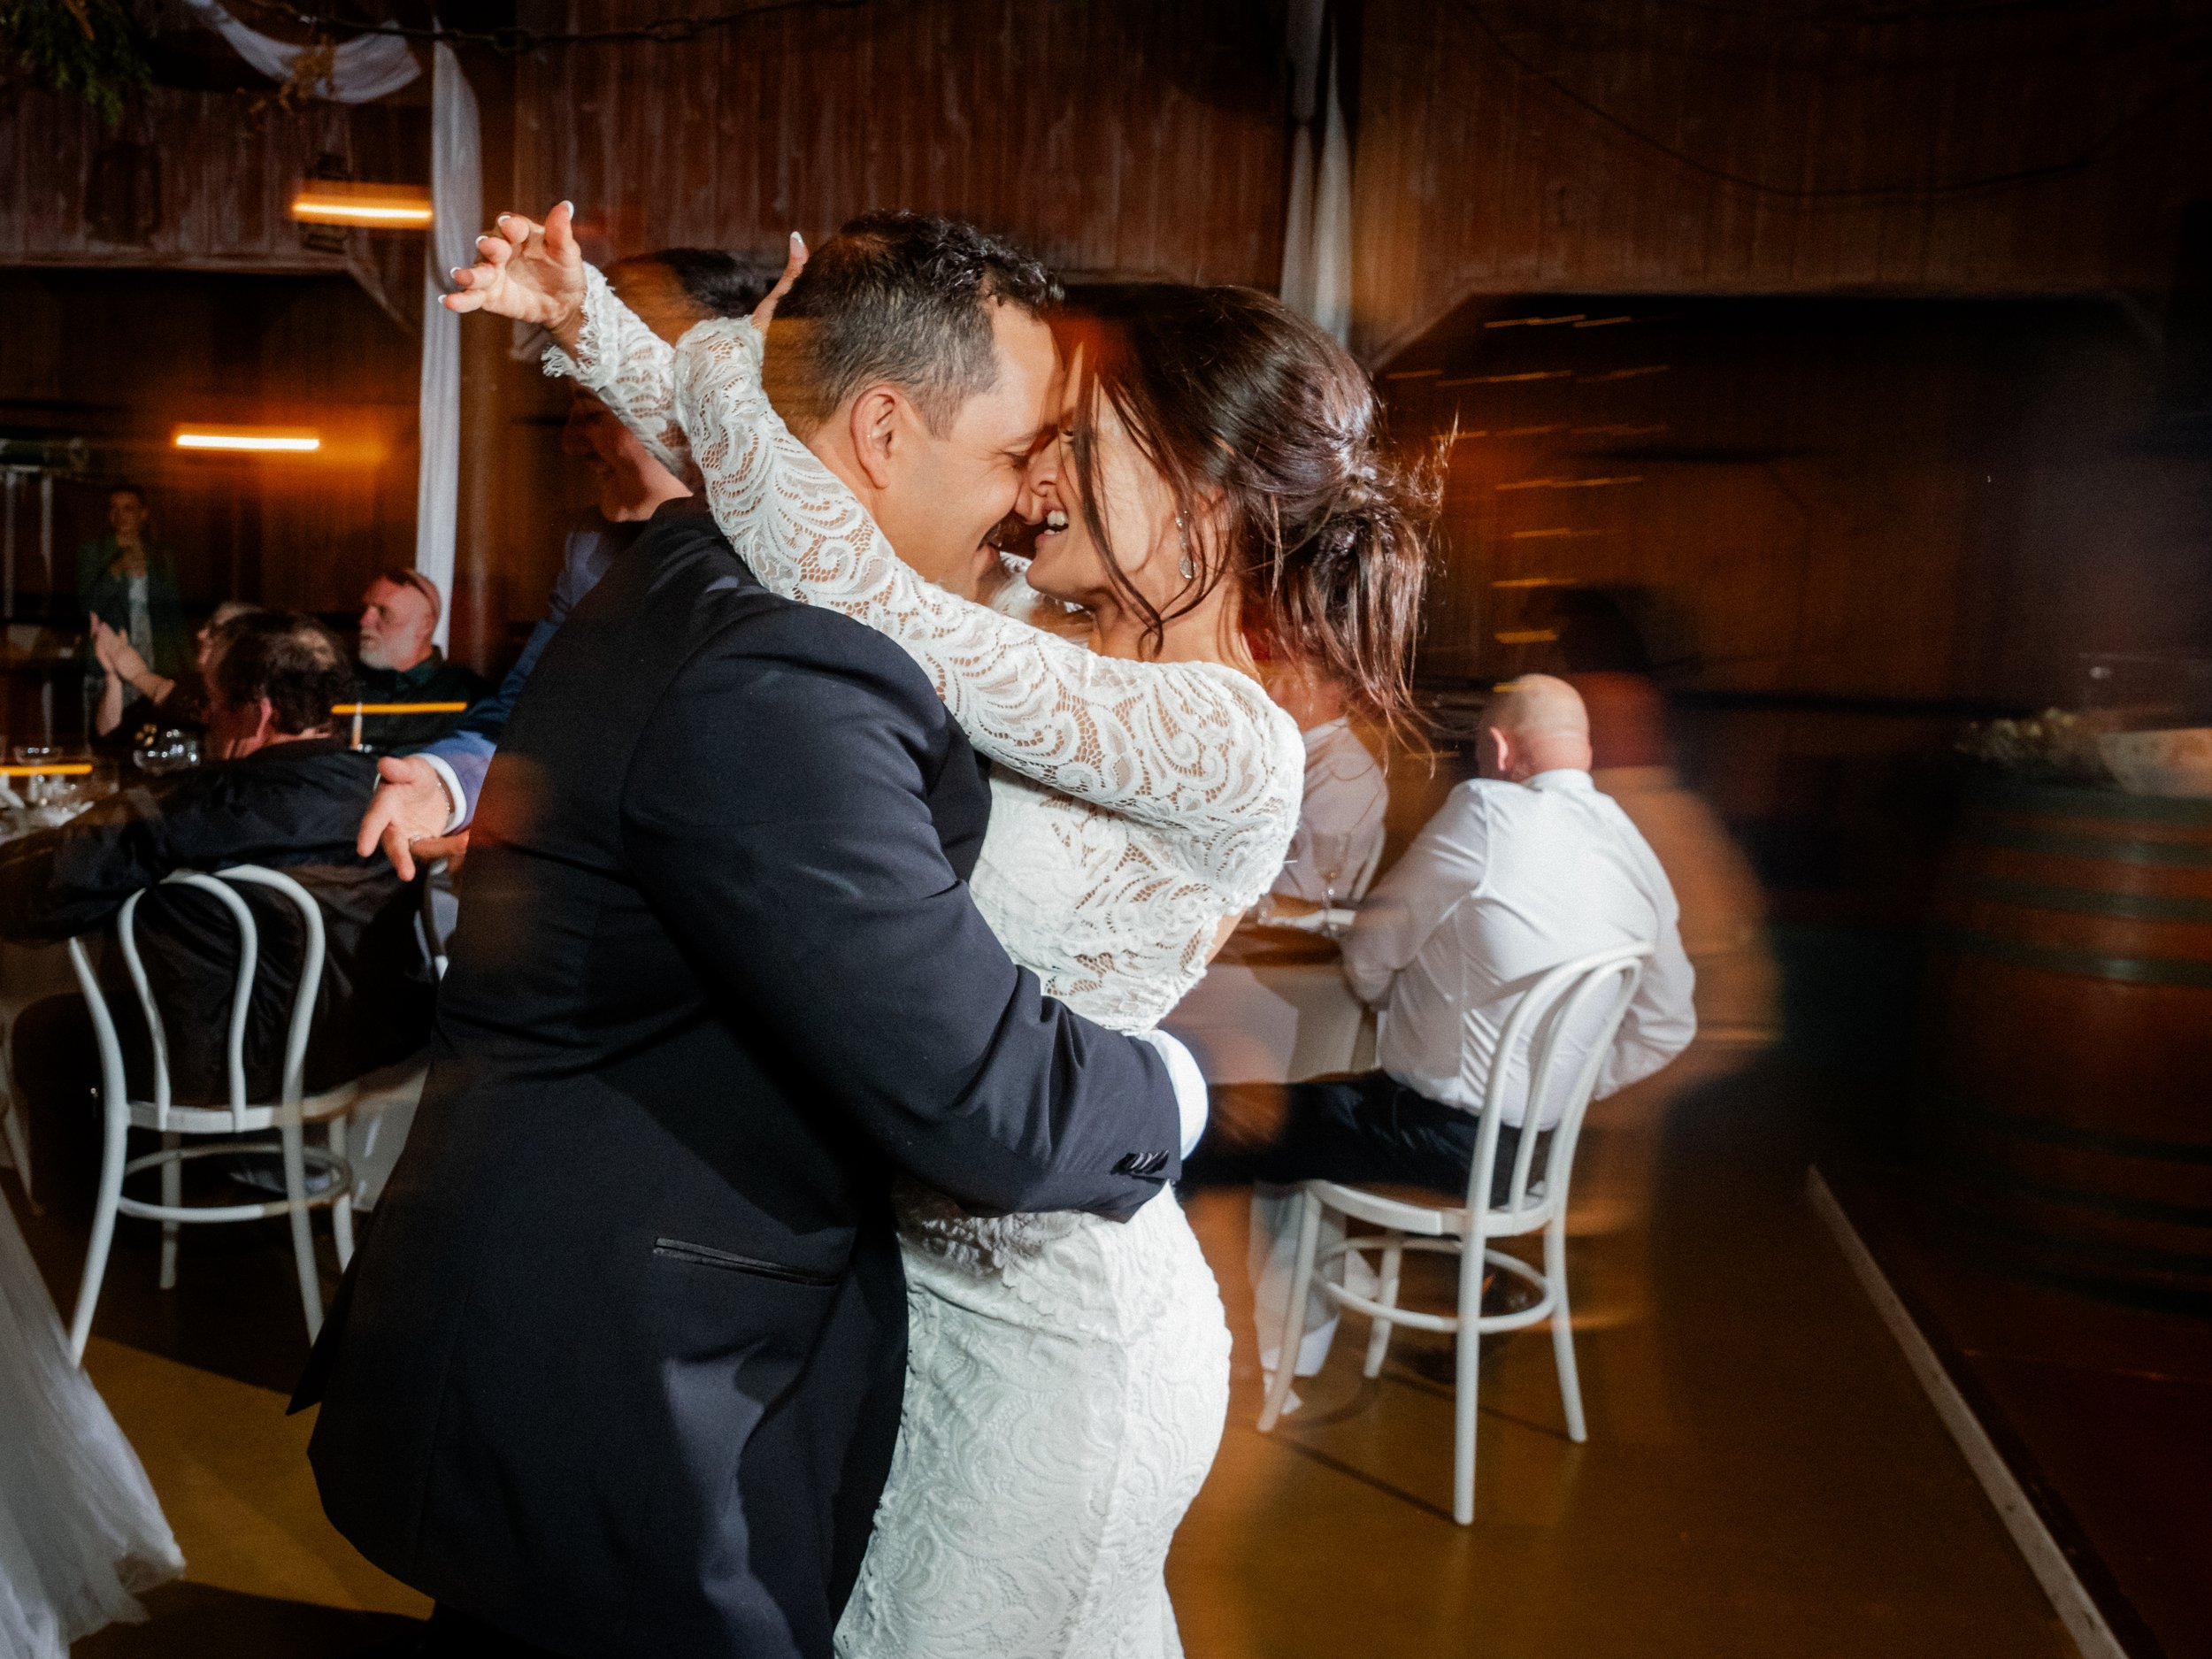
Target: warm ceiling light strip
(400, 708)
(376, 206)
(314, 210)
(247, 441)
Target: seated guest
(1523, 869)
(284, 791)
(135, 695)
(1339, 829)
(429, 796)
(400, 664)
(128, 582)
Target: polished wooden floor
(1764, 1477)
(2100, 1405)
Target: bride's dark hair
(1234, 398)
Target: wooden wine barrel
(2068, 1044)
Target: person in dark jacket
(129, 581)
(400, 663)
(282, 792)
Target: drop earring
(1188, 566)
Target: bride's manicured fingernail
(460, 275)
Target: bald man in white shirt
(1522, 869)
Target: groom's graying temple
(1370, 811)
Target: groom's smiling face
(939, 495)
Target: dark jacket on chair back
(619, 1367)
(295, 807)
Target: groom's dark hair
(903, 299)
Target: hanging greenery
(90, 49)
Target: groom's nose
(1041, 482)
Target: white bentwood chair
(287, 1115)
(1584, 999)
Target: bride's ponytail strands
(1241, 401)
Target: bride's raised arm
(1188, 746)
(629, 368)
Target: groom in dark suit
(620, 1365)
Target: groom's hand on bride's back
(531, 271)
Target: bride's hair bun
(1240, 401)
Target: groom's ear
(877, 418)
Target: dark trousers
(452, 1634)
(1353, 1129)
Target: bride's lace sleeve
(1196, 748)
(629, 368)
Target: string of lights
(516, 41)
(2103, 147)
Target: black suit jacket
(621, 1364)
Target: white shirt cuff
(455, 802)
(1190, 1085)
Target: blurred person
(134, 695)
(674, 287)
(128, 582)
(1724, 906)
(1524, 868)
(401, 662)
(429, 796)
(281, 789)
(1340, 833)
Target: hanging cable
(515, 39)
(2105, 145)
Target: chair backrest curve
(222, 886)
(1560, 1002)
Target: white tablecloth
(1274, 1008)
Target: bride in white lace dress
(81, 1530)
(1067, 1376)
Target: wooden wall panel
(1144, 137)
(121, 357)
(1836, 499)
(1476, 174)
(227, 175)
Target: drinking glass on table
(32, 788)
(159, 752)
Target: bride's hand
(532, 273)
(792, 266)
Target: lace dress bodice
(1135, 805)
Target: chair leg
(1467, 1379)
(172, 1196)
(1379, 1339)
(15, 1121)
(303, 1235)
(342, 1208)
(114, 1151)
(1563, 1332)
(1294, 1312)
(19, 1139)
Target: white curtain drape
(457, 200)
(362, 70)
(1318, 227)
